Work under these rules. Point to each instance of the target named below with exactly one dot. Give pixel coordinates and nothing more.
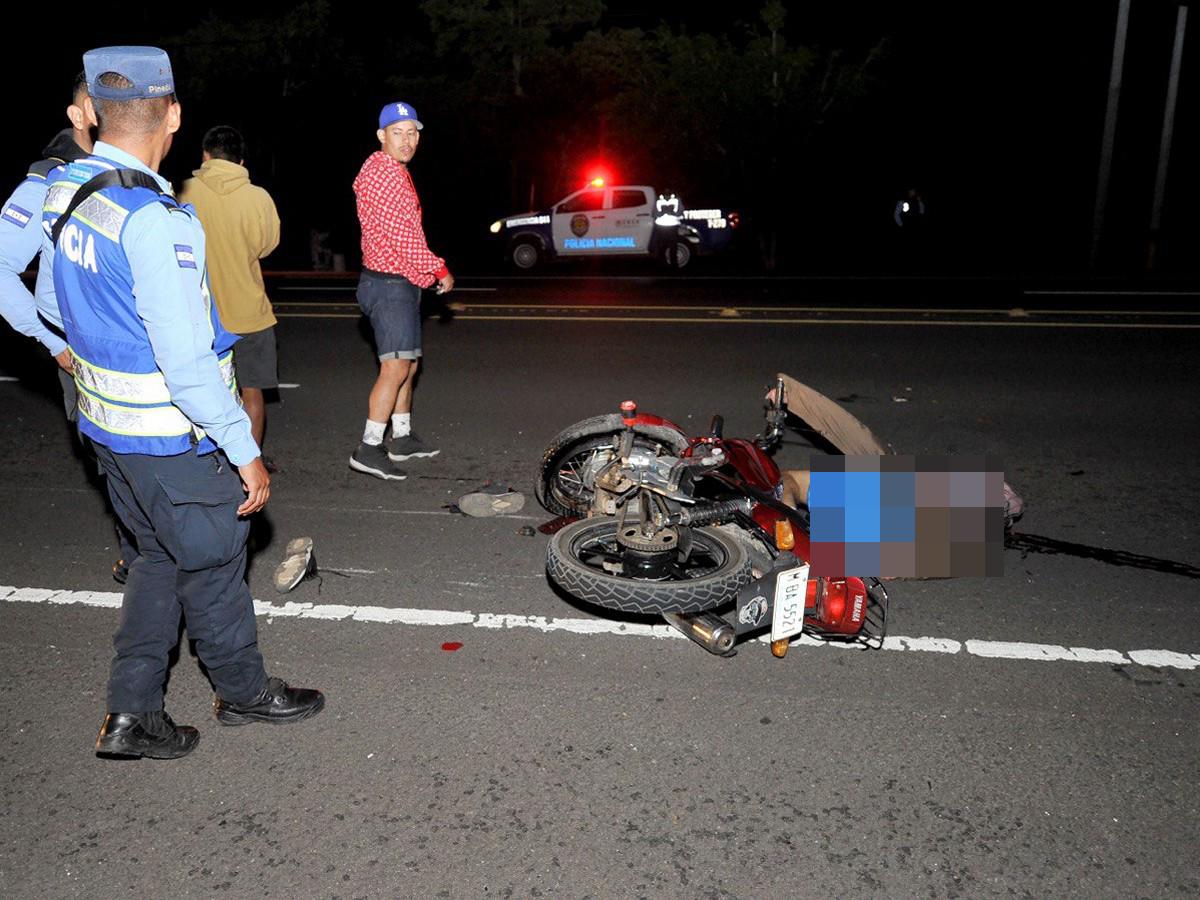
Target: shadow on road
(1033, 543)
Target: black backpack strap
(127, 178)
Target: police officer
(36, 314)
(153, 369)
(21, 237)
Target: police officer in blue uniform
(154, 372)
(21, 237)
(36, 315)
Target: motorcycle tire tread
(564, 445)
(631, 595)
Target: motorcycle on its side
(693, 528)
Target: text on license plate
(788, 617)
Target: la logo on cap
(400, 110)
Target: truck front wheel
(524, 254)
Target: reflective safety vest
(124, 401)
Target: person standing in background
(242, 226)
(397, 263)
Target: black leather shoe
(277, 703)
(120, 571)
(145, 734)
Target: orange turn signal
(785, 538)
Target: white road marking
(1167, 659)
(1164, 659)
(925, 645)
(8, 378)
(287, 386)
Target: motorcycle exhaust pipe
(708, 630)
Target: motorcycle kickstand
(707, 629)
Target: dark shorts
(70, 395)
(393, 304)
(255, 363)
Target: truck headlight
(496, 226)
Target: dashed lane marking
(385, 615)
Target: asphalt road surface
(1031, 735)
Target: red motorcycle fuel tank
(752, 464)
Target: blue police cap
(148, 68)
(398, 112)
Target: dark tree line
(518, 96)
(812, 119)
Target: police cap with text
(147, 68)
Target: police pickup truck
(621, 220)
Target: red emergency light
(598, 175)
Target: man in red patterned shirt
(397, 263)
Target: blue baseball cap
(147, 67)
(398, 112)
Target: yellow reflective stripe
(226, 364)
(58, 198)
(100, 198)
(93, 226)
(152, 421)
(126, 387)
(140, 388)
(103, 215)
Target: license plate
(788, 615)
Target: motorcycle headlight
(496, 226)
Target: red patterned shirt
(389, 211)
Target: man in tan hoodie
(241, 227)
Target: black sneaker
(373, 460)
(277, 703)
(120, 571)
(151, 734)
(409, 446)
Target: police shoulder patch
(79, 174)
(185, 256)
(15, 214)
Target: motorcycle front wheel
(585, 560)
(565, 482)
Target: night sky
(995, 114)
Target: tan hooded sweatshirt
(241, 226)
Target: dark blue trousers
(182, 513)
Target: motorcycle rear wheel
(562, 485)
(714, 571)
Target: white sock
(401, 424)
(373, 433)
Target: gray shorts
(393, 304)
(255, 363)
